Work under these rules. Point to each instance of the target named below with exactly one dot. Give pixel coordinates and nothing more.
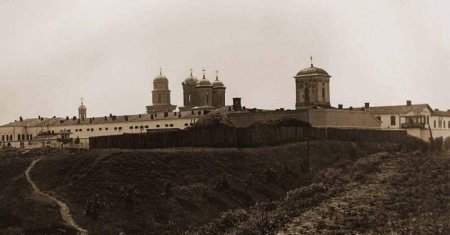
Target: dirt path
(407, 194)
(64, 209)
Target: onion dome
(160, 77)
(191, 80)
(204, 81)
(312, 71)
(217, 83)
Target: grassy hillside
(21, 212)
(170, 191)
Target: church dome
(160, 78)
(191, 80)
(204, 82)
(312, 71)
(217, 84)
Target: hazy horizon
(108, 52)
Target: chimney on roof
(67, 118)
(39, 117)
(106, 118)
(340, 106)
(21, 119)
(367, 105)
(237, 104)
(408, 103)
(351, 108)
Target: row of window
(20, 137)
(441, 124)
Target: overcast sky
(53, 52)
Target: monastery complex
(202, 97)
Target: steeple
(204, 73)
(82, 111)
(311, 61)
(217, 75)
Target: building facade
(419, 120)
(160, 95)
(312, 87)
(203, 94)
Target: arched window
(323, 91)
(159, 97)
(306, 93)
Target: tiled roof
(399, 109)
(57, 121)
(441, 113)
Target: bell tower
(312, 88)
(82, 111)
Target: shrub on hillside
(222, 184)
(414, 144)
(437, 143)
(270, 175)
(447, 143)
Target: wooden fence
(241, 137)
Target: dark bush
(437, 143)
(414, 144)
(270, 175)
(222, 184)
(447, 143)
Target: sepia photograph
(240, 117)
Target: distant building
(312, 88)
(160, 96)
(200, 98)
(419, 120)
(202, 94)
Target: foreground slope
(170, 191)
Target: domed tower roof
(191, 80)
(217, 83)
(160, 77)
(312, 71)
(204, 81)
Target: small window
(186, 124)
(115, 128)
(136, 127)
(142, 127)
(146, 126)
(393, 121)
(88, 129)
(106, 128)
(131, 128)
(379, 118)
(157, 125)
(92, 129)
(100, 129)
(167, 125)
(171, 125)
(80, 130)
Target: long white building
(419, 120)
(75, 132)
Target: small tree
(437, 143)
